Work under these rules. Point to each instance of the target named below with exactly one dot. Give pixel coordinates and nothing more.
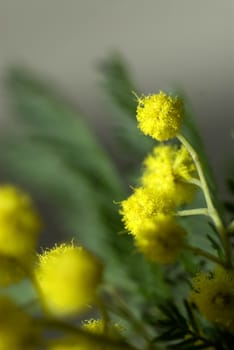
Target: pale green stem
(203, 182)
(191, 212)
(125, 312)
(194, 181)
(205, 254)
(213, 213)
(230, 228)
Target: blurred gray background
(183, 43)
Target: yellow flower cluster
(98, 327)
(144, 204)
(213, 294)
(161, 239)
(166, 182)
(160, 116)
(68, 277)
(17, 331)
(170, 168)
(147, 215)
(19, 228)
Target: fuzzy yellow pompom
(160, 239)
(213, 294)
(19, 223)
(16, 328)
(170, 168)
(160, 116)
(143, 204)
(94, 326)
(68, 276)
(98, 327)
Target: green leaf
(119, 86)
(57, 156)
(49, 118)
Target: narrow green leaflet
(119, 87)
(49, 118)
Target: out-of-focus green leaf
(119, 87)
(72, 194)
(56, 155)
(51, 120)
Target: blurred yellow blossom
(97, 326)
(170, 168)
(19, 223)
(68, 276)
(144, 204)
(16, 328)
(213, 294)
(161, 239)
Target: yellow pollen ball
(160, 116)
(161, 239)
(143, 204)
(213, 294)
(68, 276)
(16, 328)
(170, 168)
(19, 223)
(98, 327)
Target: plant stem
(104, 314)
(191, 212)
(212, 212)
(205, 254)
(194, 181)
(124, 311)
(230, 228)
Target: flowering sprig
(165, 177)
(69, 280)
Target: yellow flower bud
(19, 223)
(160, 239)
(143, 204)
(170, 168)
(97, 327)
(68, 277)
(16, 328)
(213, 294)
(160, 116)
